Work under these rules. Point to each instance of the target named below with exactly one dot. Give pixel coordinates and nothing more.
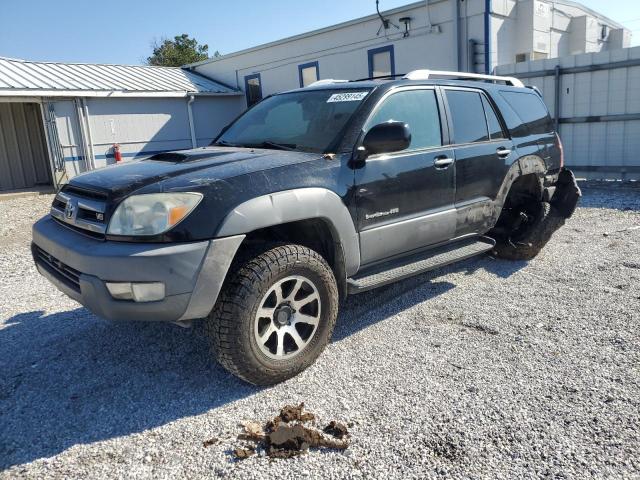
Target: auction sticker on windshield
(347, 97)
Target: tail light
(561, 148)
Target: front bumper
(79, 266)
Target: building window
(381, 61)
(521, 57)
(253, 89)
(308, 73)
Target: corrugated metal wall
(599, 108)
(23, 153)
(141, 126)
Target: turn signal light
(138, 292)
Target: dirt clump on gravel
(291, 433)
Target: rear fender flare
(294, 205)
(529, 164)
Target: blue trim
(487, 37)
(128, 154)
(246, 87)
(373, 51)
(307, 65)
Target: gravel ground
(485, 369)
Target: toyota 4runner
(308, 196)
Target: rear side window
(467, 113)
(531, 110)
(495, 128)
(418, 109)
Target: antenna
(385, 21)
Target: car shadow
(70, 378)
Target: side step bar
(424, 261)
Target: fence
(594, 99)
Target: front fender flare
(294, 205)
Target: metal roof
(46, 79)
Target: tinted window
(531, 110)
(417, 108)
(253, 89)
(495, 129)
(469, 122)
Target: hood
(216, 162)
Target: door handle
(503, 152)
(442, 162)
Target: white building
(61, 119)
(463, 35)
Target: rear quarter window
(530, 109)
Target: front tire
(275, 315)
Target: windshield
(308, 121)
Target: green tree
(177, 52)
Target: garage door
(23, 152)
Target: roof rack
(427, 74)
(326, 81)
(379, 77)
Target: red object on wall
(116, 153)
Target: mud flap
(566, 195)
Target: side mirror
(387, 137)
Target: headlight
(152, 214)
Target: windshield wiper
(278, 146)
(265, 144)
(222, 143)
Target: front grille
(67, 275)
(81, 210)
(59, 204)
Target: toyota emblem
(69, 210)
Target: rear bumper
(80, 266)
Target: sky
(122, 31)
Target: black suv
(308, 196)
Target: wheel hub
(287, 317)
(283, 314)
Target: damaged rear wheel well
(525, 195)
(524, 189)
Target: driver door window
(418, 109)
